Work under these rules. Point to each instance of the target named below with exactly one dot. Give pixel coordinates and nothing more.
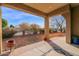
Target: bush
(8, 33)
(41, 31)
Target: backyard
(21, 41)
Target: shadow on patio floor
(58, 49)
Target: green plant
(7, 33)
(4, 23)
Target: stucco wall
(0, 32)
(75, 21)
(67, 16)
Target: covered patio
(46, 11)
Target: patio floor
(37, 49)
(54, 47)
(61, 42)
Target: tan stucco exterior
(0, 31)
(46, 27)
(67, 16)
(75, 21)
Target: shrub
(8, 33)
(41, 31)
(4, 23)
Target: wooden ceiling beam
(25, 8)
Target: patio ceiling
(41, 9)
(45, 7)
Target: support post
(0, 31)
(67, 16)
(46, 28)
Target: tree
(4, 23)
(35, 28)
(58, 23)
(12, 28)
(24, 27)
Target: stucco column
(0, 31)
(46, 28)
(67, 16)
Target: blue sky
(16, 17)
